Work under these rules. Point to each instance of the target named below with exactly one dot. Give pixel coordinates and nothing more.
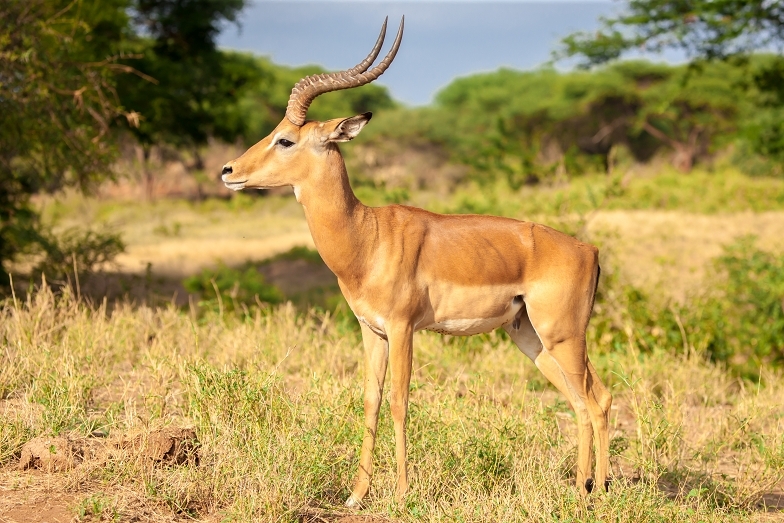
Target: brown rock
(170, 446)
(50, 454)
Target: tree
(704, 29)
(707, 31)
(61, 97)
(689, 113)
(502, 122)
(57, 104)
(188, 88)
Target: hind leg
(561, 324)
(527, 340)
(567, 356)
(603, 399)
(592, 418)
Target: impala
(404, 269)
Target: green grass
(701, 191)
(275, 398)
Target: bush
(738, 320)
(748, 309)
(77, 252)
(228, 289)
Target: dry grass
(275, 399)
(180, 237)
(274, 395)
(671, 250)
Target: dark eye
(285, 143)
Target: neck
(336, 218)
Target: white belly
(469, 326)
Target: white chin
(235, 186)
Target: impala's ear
(349, 128)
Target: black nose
(226, 169)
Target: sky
(442, 40)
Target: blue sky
(442, 40)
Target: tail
(596, 287)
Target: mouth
(236, 186)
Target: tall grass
(276, 401)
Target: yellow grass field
(129, 412)
(275, 402)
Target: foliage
(749, 310)
(184, 29)
(544, 125)
(186, 87)
(703, 28)
(738, 321)
(75, 252)
(184, 101)
(763, 140)
(61, 98)
(57, 99)
(708, 31)
(693, 115)
(228, 289)
(297, 253)
(244, 287)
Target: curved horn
(307, 89)
(362, 66)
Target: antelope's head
(296, 146)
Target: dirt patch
(165, 446)
(773, 501)
(327, 516)
(54, 454)
(41, 508)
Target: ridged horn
(307, 89)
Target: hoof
(352, 502)
(607, 485)
(589, 485)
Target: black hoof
(589, 485)
(607, 485)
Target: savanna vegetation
(124, 318)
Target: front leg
(376, 356)
(401, 341)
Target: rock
(50, 454)
(169, 446)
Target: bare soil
(26, 506)
(46, 485)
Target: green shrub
(748, 310)
(75, 249)
(229, 289)
(738, 320)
